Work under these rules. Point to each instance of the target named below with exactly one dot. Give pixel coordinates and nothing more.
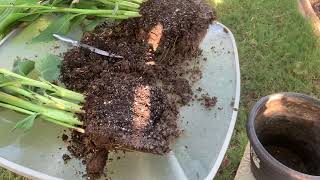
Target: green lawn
(278, 52)
(6, 175)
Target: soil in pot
(293, 154)
(292, 137)
(132, 103)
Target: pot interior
(288, 127)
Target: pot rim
(256, 144)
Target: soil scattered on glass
(209, 102)
(66, 158)
(132, 103)
(64, 137)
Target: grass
(278, 52)
(7, 175)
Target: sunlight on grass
(217, 2)
(7, 175)
(278, 52)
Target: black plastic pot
(284, 132)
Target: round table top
(197, 154)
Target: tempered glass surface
(194, 153)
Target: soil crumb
(210, 102)
(64, 137)
(132, 103)
(66, 158)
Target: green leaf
(30, 18)
(55, 2)
(91, 25)
(59, 26)
(23, 67)
(4, 79)
(49, 67)
(116, 8)
(77, 21)
(9, 18)
(26, 1)
(7, 1)
(86, 5)
(27, 123)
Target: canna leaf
(86, 5)
(23, 67)
(92, 24)
(27, 123)
(30, 18)
(4, 79)
(26, 1)
(60, 26)
(56, 2)
(77, 21)
(10, 18)
(48, 67)
(116, 8)
(13, 12)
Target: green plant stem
(17, 109)
(45, 111)
(53, 9)
(58, 91)
(63, 124)
(124, 4)
(46, 100)
(72, 106)
(121, 17)
(9, 18)
(138, 1)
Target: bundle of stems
(40, 98)
(12, 14)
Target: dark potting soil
(132, 103)
(207, 101)
(316, 6)
(66, 158)
(64, 137)
(291, 139)
(287, 157)
(125, 112)
(295, 157)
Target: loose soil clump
(316, 6)
(132, 103)
(209, 102)
(66, 158)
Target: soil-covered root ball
(124, 112)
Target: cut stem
(46, 100)
(63, 124)
(53, 9)
(24, 111)
(124, 4)
(15, 108)
(59, 91)
(45, 111)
